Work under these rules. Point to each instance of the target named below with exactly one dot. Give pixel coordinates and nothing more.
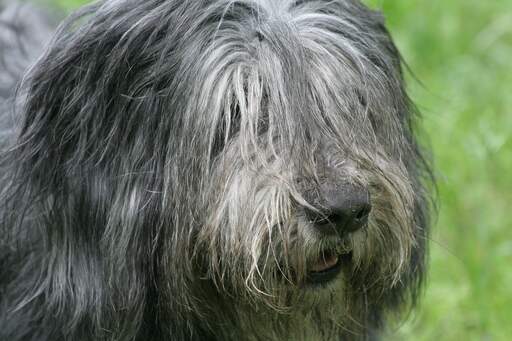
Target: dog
(208, 170)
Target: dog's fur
(166, 154)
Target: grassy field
(461, 53)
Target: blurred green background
(460, 52)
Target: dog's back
(24, 31)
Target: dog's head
(208, 153)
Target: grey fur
(168, 152)
(23, 33)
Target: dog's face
(308, 182)
(255, 155)
(311, 185)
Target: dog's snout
(344, 210)
(349, 210)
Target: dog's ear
(104, 113)
(89, 160)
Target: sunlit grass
(462, 53)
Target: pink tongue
(325, 263)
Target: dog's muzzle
(344, 211)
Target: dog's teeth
(325, 263)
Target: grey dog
(208, 170)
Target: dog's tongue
(325, 262)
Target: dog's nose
(345, 210)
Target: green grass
(461, 51)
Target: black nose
(345, 210)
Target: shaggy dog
(208, 170)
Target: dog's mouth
(327, 266)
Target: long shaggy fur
(166, 153)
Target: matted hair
(167, 147)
